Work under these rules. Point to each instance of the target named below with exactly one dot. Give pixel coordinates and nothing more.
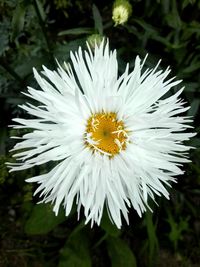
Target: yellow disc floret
(106, 134)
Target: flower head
(122, 10)
(116, 140)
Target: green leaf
(147, 27)
(4, 36)
(76, 253)
(40, 10)
(185, 3)
(76, 31)
(173, 19)
(18, 20)
(97, 19)
(194, 107)
(191, 86)
(62, 50)
(26, 66)
(152, 237)
(195, 142)
(43, 220)
(166, 6)
(108, 226)
(177, 228)
(193, 67)
(120, 254)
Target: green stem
(101, 240)
(44, 29)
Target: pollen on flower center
(105, 133)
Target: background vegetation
(35, 32)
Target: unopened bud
(122, 10)
(94, 39)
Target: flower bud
(94, 39)
(122, 10)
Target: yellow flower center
(106, 134)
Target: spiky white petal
(155, 150)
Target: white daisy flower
(117, 140)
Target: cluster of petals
(89, 178)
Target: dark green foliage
(76, 250)
(4, 36)
(177, 229)
(152, 240)
(43, 220)
(120, 253)
(33, 33)
(108, 226)
(98, 25)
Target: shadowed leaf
(120, 254)
(43, 220)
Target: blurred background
(35, 32)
